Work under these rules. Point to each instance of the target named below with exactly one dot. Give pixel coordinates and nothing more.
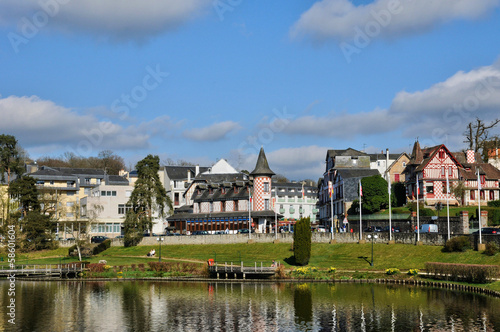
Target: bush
(494, 203)
(71, 249)
(106, 244)
(302, 241)
(467, 272)
(491, 249)
(96, 267)
(457, 244)
(423, 211)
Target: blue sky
(200, 80)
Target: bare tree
(477, 134)
(80, 226)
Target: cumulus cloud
(340, 20)
(41, 123)
(115, 19)
(216, 132)
(443, 110)
(297, 163)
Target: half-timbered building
(433, 172)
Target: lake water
(200, 306)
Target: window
(404, 165)
(70, 204)
(266, 187)
(444, 188)
(70, 183)
(483, 179)
(176, 199)
(472, 195)
(442, 170)
(103, 193)
(236, 207)
(482, 195)
(128, 193)
(441, 154)
(98, 181)
(378, 164)
(492, 195)
(430, 189)
(223, 190)
(396, 178)
(121, 208)
(40, 183)
(450, 171)
(223, 206)
(266, 204)
(211, 206)
(87, 180)
(52, 182)
(69, 214)
(70, 193)
(236, 190)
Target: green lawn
(341, 256)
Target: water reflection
(176, 306)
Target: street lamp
(372, 237)
(160, 239)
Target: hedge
(493, 214)
(106, 244)
(494, 203)
(472, 273)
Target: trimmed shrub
(106, 244)
(302, 241)
(493, 214)
(471, 273)
(457, 244)
(491, 249)
(96, 267)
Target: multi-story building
(338, 187)
(296, 200)
(176, 179)
(432, 170)
(223, 199)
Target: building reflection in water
(177, 306)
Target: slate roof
(262, 166)
(347, 173)
(180, 172)
(383, 156)
(346, 152)
(417, 156)
(429, 153)
(235, 214)
(117, 180)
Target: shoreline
(410, 282)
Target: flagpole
(390, 209)
(448, 202)
(331, 201)
(479, 204)
(360, 215)
(418, 211)
(276, 212)
(249, 212)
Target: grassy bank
(355, 257)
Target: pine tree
(149, 196)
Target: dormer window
(223, 190)
(210, 191)
(236, 190)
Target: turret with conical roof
(262, 167)
(417, 155)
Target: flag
(478, 181)
(360, 189)
(303, 192)
(330, 188)
(418, 187)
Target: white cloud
(340, 20)
(116, 19)
(41, 124)
(296, 163)
(444, 109)
(216, 132)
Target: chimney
(197, 170)
(471, 157)
(189, 175)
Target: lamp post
(372, 237)
(160, 239)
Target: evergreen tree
(302, 241)
(398, 194)
(148, 196)
(10, 163)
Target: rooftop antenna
(364, 147)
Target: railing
(40, 269)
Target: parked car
(372, 229)
(199, 233)
(98, 239)
(245, 231)
(395, 229)
(488, 230)
(120, 237)
(428, 228)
